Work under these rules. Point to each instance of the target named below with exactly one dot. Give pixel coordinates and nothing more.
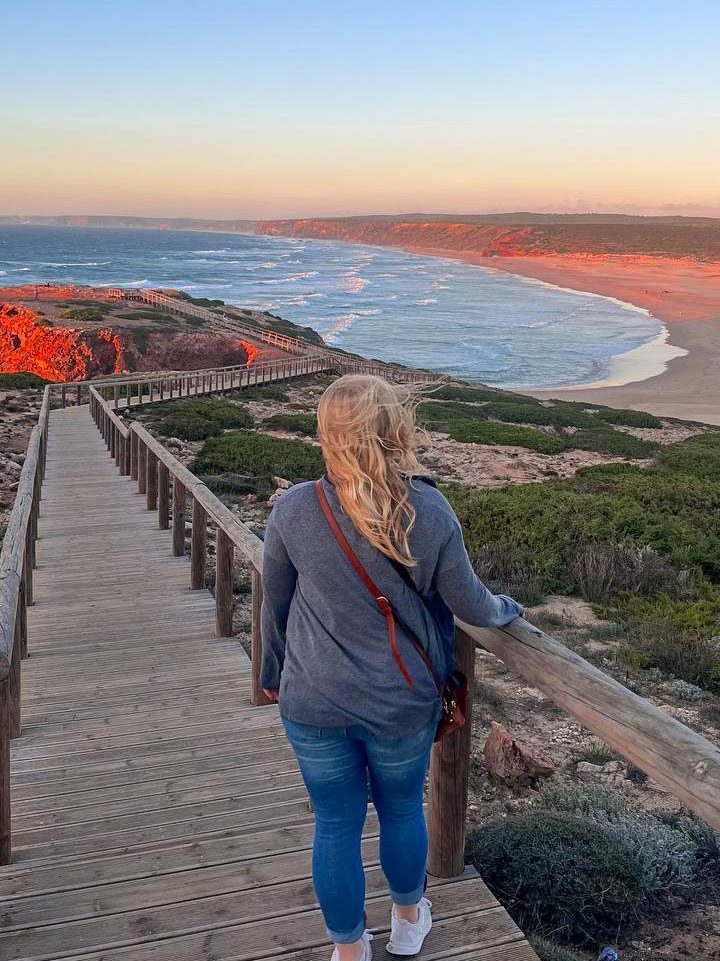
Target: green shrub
(549, 951)
(581, 864)
(477, 394)
(598, 571)
(699, 456)
(628, 418)
(260, 456)
(524, 412)
(609, 441)
(21, 381)
(296, 423)
(686, 653)
(506, 570)
(233, 484)
(435, 415)
(491, 432)
(84, 314)
(264, 392)
(200, 417)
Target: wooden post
(257, 696)
(62, 395)
(5, 837)
(133, 455)
(127, 443)
(79, 389)
(178, 518)
(198, 546)
(224, 556)
(142, 467)
(14, 677)
(163, 497)
(127, 395)
(448, 787)
(151, 481)
(116, 395)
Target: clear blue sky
(272, 108)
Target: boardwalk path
(157, 815)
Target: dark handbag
(454, 693)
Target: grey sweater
(325, 643)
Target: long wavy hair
(369, 439)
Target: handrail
(17, 561)
(675, 756)
(154, 297)
(678, 758)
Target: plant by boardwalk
(580, 863)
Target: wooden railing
(684, 762)
(17, 561)
(177, 305)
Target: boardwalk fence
(17, 562)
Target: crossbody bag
(454, 693)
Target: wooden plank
(222, 927)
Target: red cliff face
(487, 240)
(28, 342)
(56, 353)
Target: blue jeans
(337, 765)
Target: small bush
(523, 412)
(609, 441)
(21, 381)
(580, 863)
(296, 423)
(699, 456)
(505, 570)
(598, 571)
(686, 654)
(476, 394)
(232, 484)
(628, 418)
(260, 456)
(491, 432)
(84, 314)
(200, 418)
(264, 392)
(549, 951)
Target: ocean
(471, 322)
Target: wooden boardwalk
(157, 816)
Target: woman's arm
(464, 592)
(279, 577)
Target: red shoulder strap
(380, 599)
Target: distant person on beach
(358, 694)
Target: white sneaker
(407, 938)
(367, 949)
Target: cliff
(536, 237)
(31, 342)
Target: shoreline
(683, 295)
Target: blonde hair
(367, 430)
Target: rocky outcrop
(30, 342)
(513, 763)
(27, 343)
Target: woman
(361, 710)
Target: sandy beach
(684, 294)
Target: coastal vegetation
(579, 863)
(200, 417)
(21, 381)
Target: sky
(272, 108)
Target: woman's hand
(271, 693)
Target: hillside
(489, 235)
(519, 235)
